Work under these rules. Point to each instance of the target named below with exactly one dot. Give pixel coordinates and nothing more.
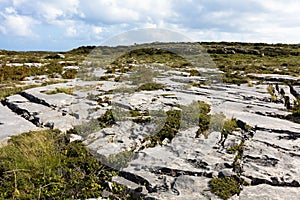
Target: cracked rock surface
(183, 167)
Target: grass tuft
(45, 165)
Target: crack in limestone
(23, 113)
(35, 99)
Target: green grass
(44, 165)
(236, 148)
(11, 89)
(18, 73)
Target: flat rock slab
(267, 192)
(12, 124)
(183, 167)
(39, 114)
(270, 158)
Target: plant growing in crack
(229, 126)
(225, 187)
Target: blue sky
(66, 24)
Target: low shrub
(196, 114)
(69, 74)
(151, 86)
(225, 187)
(229, 126)
(169, 130)
(45, 165)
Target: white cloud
(93, 21)
(126, 11)
(55, 10)
(15, 24)
(97, 29)
(18, 3)
(10, 10)
(75, 29)
(71, 32)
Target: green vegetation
(217, 122)
(236, 148)
(11, 88)
(196, 114)
(6, 91)
(106, 78)
(235, 78)
(119, 160)
(196, 84)
(94, 125)
(151, 55)
(82, 50)
(69, 74)
(18, 73)
(151, 86)
(169, 130)
(140, 117)
(193, 72)
(45, 165)
(229, 126)
(271, 91)
(225, 187)
(237, 60)
(60, 90)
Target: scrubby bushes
(69, 74)
(169, 130)
(225, 187)
(45, 165)
(18, 73)
(194, 114)
(151, 55)
(151, 86)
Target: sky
(60, 25)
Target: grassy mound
(46, 165)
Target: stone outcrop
(181, 168)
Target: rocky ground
(268, 163)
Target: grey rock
(267, 192)
(12, 124)
(183, 167)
